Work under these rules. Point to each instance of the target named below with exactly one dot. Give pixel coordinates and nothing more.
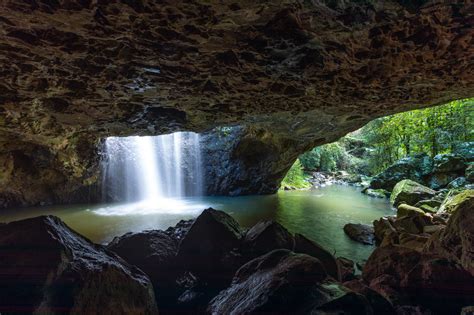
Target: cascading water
(156, 171)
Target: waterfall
(152, 168)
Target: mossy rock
(407, 210)
(410, 192)
(452, 201)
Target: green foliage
(385, 140)
(295, 178)
(433, 130)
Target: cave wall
(300, 72)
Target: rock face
(305, 73)
(48, 268)
(410, 192)
(362, 233)
(285, 283)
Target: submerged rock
(47, 268)
(410, 192)
(285, 283)
(362, 233)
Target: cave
(207, 105)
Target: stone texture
(206, 249)
(362, 233)
(456, 241)
(410, 192)
(266, 236)
(154, 252)
(305, 73)
(49, 269)
(285, 283)
(306, 246)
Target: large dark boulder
(410, 192)
(48, 268)
(264, 237)
(412, 167)
(379, 304)
(207, 248)
(362, 233)
(154, 252)
(282, 282)
(306, 246)
(409, 276)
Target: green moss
(295, 178)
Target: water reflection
(319, 215)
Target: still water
(318, 214)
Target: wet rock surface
(76, 72)
(362, 233)
(48, 268)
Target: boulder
(410, 192)
(346, 268)
(456, 241)
(412, 241)
(376, 193)
(470, 173)
(208, 244)
(406, 210)
(457, 183)
(392, 260)
(154, 252)
(441, 180)
(465, 150)
(443, 163)
(452, 201)
(306, 246)
(362, 233)
(382, 226)
(285, 283)
(414, 168)
(414, 223)
(379, 304)
(47, 268)
(264, 237)
(429, 205)
(180, 229)
(440, 285)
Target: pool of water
(318, 214)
